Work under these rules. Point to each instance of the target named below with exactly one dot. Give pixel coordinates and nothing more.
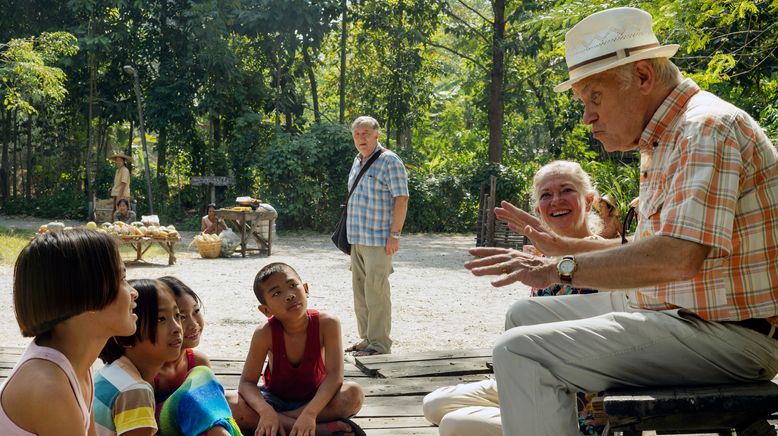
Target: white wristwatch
(566, 267)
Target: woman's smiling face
(562, 204)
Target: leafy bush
(63, 204)
(304, 176)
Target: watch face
(566, 266)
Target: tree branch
(470, 8)
(462, 55)
(450, 13)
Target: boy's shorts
(278, 404)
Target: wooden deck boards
(394, 384)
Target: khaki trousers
(465, 409)
(555, 347)
(370, 269)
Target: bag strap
(370, 161)
(631, 215)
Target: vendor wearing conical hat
(121, 180)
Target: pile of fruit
(121, 230)
(205, 237)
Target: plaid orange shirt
(709, 174)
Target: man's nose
(589, 116)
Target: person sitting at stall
(609, 214)
(123, 212)
(211, 224)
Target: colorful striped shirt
(709, 175)
(371, 205)
(123, 400)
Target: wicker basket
(209, 249)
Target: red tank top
(296, 383)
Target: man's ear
(265, 310)
(646, 76)
(305, 286)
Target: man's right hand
(548, 242)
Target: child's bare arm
(201, 359)
(329, 332)
(261, 343)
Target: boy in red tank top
(303, 392)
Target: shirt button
(656, 143)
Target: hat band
(621, 54)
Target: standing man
(121, 180)
(701, 276)
(376, 214)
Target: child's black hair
(265, 273)
(180, 289)
(60, 275)
(147, 309)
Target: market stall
(252, 224)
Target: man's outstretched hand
(511, 265)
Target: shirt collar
(377, 147)
(667, 112)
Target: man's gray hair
(667, 73)
(365, 121)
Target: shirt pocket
(652, 198)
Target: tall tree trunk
(90, 132)
(407, 140)
(314, 90)
(5, 125)
(16, 149)
(342, 83)
(496, 106)
(28, 178)
(162, 163)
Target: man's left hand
(392, 245)
(512, 266)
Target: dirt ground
(437, 304)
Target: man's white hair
(667, 73)
(365, 121)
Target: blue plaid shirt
(372, 203)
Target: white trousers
(555, 347)
(465, 409)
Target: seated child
(124, 399)
(70, 296)
(173, 373)
(303, 379)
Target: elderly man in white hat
(121, 180)
(700, 278)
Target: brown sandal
(367, 351)
(358, 346)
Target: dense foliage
(255, 89)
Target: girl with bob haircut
(124, 396)
(70, 296)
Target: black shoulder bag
(339, 236)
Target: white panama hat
(608, 39)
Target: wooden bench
(394, 384)
(741, 410)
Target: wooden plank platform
(394, 385)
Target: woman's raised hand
(548, 242)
